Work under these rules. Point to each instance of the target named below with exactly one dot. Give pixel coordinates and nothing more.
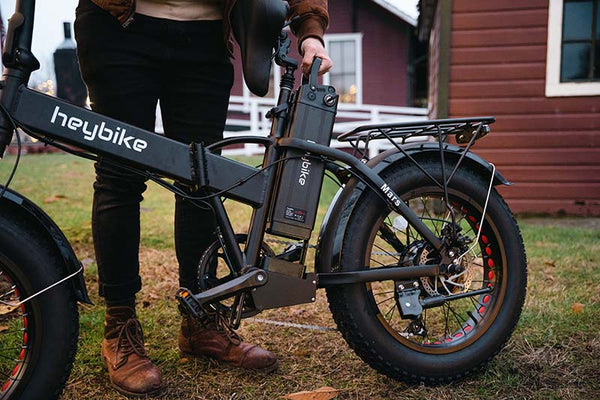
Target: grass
(553, 354)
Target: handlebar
(313, 75)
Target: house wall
(385, 50)
(434, 65)
(548, 147)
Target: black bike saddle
(256, 25)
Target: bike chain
(312, 246)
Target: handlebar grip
(313, 75)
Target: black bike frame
(214, 176)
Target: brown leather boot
(215, 338)
(130, 370)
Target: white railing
(253, 121)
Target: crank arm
(249, 280)
(437, 301)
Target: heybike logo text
(304, 170)
(116, 136)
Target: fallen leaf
(6, 309)
(324, 393)
(4, 328)
(550, 263)
(87, 261)
(302, 353)
(577, 308)
(54, 198)
(183, 360)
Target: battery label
(295, 214)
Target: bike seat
(256, 25)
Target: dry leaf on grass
(6, 309)
(4, 328)
(54, 198)
(324, 393)
(577, 308)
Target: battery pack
(301, 176)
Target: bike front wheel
(456, 338)
(38, 338)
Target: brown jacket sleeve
(309, 19)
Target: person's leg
(118, 68)
(194, 103)
(194, 100)
(122, 80)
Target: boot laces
(224, 329)
(130, 340)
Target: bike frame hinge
(198, 164)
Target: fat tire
(356, 319)
(34, 263)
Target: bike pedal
(188, 304)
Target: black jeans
(185, 65)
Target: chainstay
(312, 246)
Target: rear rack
(464, 129)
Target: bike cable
(18, 158)
(66, 278)
(487, 198)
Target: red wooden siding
(548, 147)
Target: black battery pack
(300, 177)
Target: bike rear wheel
(458, 337)
(38, 339)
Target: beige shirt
(181, 10)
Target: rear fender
(20, 208)
(338, 214)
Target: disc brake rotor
(446, 284)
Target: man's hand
(311, 48)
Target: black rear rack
(464, 129)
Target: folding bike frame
(59, 123)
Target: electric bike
(422, 261)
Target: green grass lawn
(553, 354)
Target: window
(345, 51)
(580, 41)
(573, 58)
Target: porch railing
(247, 117)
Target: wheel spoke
(386, 299)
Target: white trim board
(554, 87)
(396, 11)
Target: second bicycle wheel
(453, 339)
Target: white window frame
(357, 38)
(554, 87)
